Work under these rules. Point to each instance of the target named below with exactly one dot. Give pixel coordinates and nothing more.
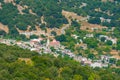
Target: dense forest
(95, 9)
(21, 64)
(31, 11)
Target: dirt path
(42, 20)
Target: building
(55, 44)
(75, 36)
(89, 35)
(96, 64)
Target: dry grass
(31, 12)
(28, 61)
(91, 27)
(20, 8)
(72, 15)
(42, 20)
(115, 54)
(8, 1)
(4, 28)
(83, 20)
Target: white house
(89, 35)
(96, 64)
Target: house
(114, 41)
(71, 55)
(34, 49)
(104, 65)
(96, 64)
(34, 41)
(105, 58)
(88, 62)
(84, 59)
(19, 43)
(55, 44)
(78, 58)
(100, 36)
(89, 35)
(75, 36)
(81, 41)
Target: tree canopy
(21, 64)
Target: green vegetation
(20, 64)
(10, 15)
(94, 20)
(118, 44)
(51, 11)
(95, 9)
(91, 42)
(118, 63)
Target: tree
(2, 32)
(75, 24)
(112, 61)
(91, 42)
(54, 33)
(118, 44)
(103, 39)
(91, 56)
(52, 49)
(94, 20)
(33, 36)
(109, 42)
(94, 77)
(61, 38)
(118, 63)
(77, 77)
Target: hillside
(54, 34)
(88, 28)
(21, 64)
(48, 14)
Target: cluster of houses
(45, 47)
(102, 62)
(114, 40)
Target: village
(47, 46)
(54, 47)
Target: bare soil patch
(8, 1)
(4, 28)
(31, 12)
(0, 5)
(115, 54)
